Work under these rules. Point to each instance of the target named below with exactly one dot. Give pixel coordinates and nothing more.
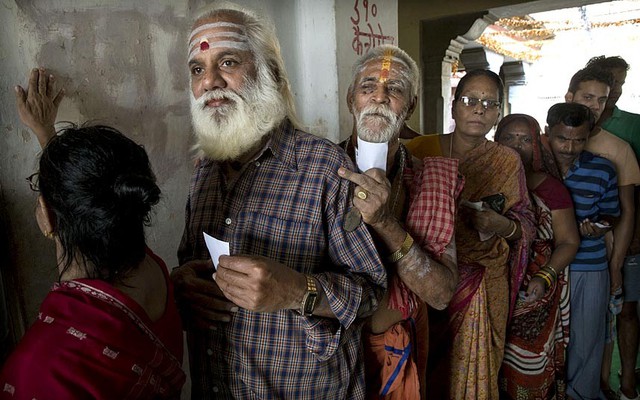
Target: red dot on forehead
(204, 46)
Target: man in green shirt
(626, 126)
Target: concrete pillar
(442, 41)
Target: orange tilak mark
(386, 66)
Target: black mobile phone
(495, 201)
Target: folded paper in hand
(478, 206)
(216, 248)
(371, 155)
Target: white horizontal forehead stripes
(239, 36)
(237, 40)
(226, 44)
(214, 25)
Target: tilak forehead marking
(207, 41)
(386, 66)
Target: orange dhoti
(396, 360)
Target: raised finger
(33, 82)
(358, 179)
(21, 96)
(50, 83)
(43, 81)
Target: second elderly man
(409, 206)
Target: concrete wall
(360, 25)
(123, 63)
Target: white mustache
(219, 94)
(379, 111)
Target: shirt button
(227, 221)
(215, 389)
(210, 352)
(257, 163)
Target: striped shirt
(593, 185)
(289, 205)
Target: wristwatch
(308, 303)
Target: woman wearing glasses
(493, 233)
(109, 328)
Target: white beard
(227, 132)
(378, 124)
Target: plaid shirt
(288, 205)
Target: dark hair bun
(136, 193)
(101, 189)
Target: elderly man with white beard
(282, 315)
(409, 207)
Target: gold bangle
(402, 251)
(545, 278)
(553, 272)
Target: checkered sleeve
(434, 193)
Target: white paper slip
(216, 248)
(371, 155)
(476, 205)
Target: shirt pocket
(301, 245)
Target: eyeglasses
(33, 181)
(485, 103)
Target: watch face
(310, 303)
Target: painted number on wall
(365, 15)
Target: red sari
(534, 360)
(91, 341)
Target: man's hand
(616, 279)
(593, 229)
(376, 187)
(38, 105)
(260, 284)
(199, 298)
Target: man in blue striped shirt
(593, 185)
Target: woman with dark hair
(538, 334)
(109, 328)
(493, 233)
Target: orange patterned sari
(467, 349)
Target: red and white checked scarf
(433, 197)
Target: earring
(50, 235)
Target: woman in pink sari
(109, 328)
